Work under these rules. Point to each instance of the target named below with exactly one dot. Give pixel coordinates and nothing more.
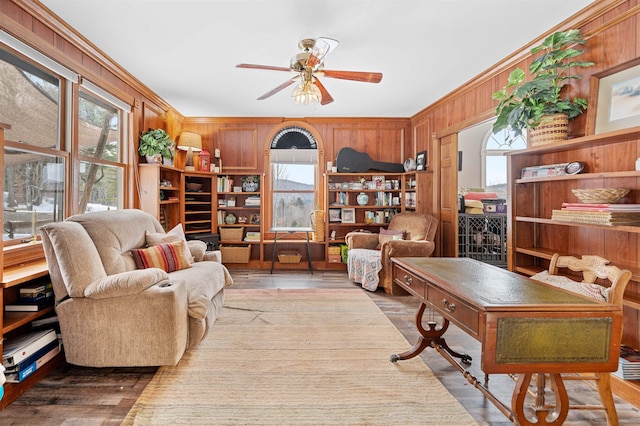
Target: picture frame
(421, 161)
(349, 215)
(335, 215)
(611, 104)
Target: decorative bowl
(600, 195)
(191, 186)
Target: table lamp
(190, 142)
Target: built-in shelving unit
(199, 208)
(365, 201)
(609, 162)
(161, 192)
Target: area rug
(295, 357)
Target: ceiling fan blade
(326, 97)
(367, 77)
(263, 67)
(321, 48)
(279, 88)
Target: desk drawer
(463, 315)
(410, 282)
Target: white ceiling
(186, 50)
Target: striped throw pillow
(168, 257)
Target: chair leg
(604, 388)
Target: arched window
(294, 162)
(494, 162)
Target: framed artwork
(335, 215)
(421, 161)
(349, 215)
(614, 102)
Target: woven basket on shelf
(600, 195)
(231, 234)
(235, 254)
(552, 129)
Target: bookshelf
(533, 236)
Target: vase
(362, 199)
(552, 129)
(154, 159)
(230, 219)
(250, 186)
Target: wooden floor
(90, 396)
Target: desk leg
(309, 253)
(542, 415)
(275, 246)
(431, 337)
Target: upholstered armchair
(369, 255)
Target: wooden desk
(525, 327)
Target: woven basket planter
(552, 129)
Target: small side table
(289, 231)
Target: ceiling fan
(309, 66)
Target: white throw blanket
(364, 266)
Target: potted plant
(250, 183)
(539, 102)
(155, 145)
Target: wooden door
(448, 199)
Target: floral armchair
(369, 255)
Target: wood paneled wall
(612, 30)
(243, 142)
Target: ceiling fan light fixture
(306, 93)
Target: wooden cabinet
(199, 208)
(609, 162)
(239, 217)
(160, 193)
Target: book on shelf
(27, 306)
(629, 363)
(39, 297)
(22, 347)
(252, 236)
(27, 368)
(601, 207)
(32, 290)
(609, 218)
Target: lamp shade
(190, 140)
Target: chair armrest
(197, 248)
(361, 240)
(405, 248)
(213, 256)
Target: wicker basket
(231, 234)
(289, 256)
(333, 250)
(600, 195)
(552, 129)
(235, 254)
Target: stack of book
(629, 364)
(252, 201)
(252, 236)
(33, 297)
(599, 214)
(25, 354)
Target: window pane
(98, 129)
(33, 192)
(100, 187)
(30, 100)
(293, 194)
(496, 175)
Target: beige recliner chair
(369, 255)
(113, 312)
